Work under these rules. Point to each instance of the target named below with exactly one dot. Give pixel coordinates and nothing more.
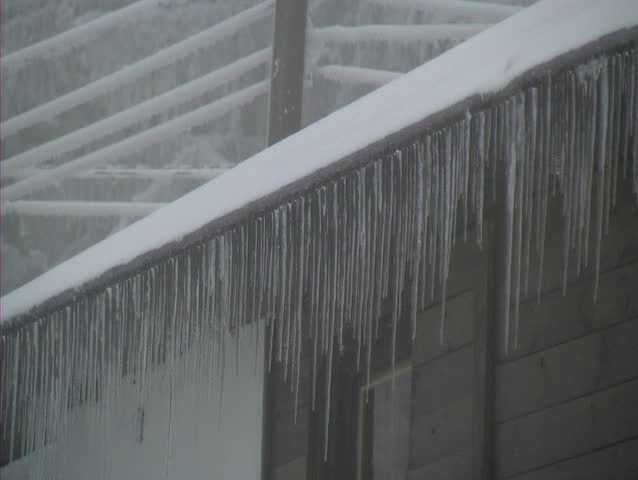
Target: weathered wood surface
(286, 427)
(291, 437)
(466, 260)
(287, 70)
(568, 371)
(284, 396)
(565, 396)
(618, 462)
(486, 300)
(458, 329)
(442, 381)
(568, 430)
(453, 467)
(619, 246)
(440, 433)
(557, 318)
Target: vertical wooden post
(267, 417)
(286, 96)
(287, 69)
(484, 354)
(489, 315)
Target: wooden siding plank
(618, 462)
(458, 332)
(619, 246)
(466, 259)
(287, 70)
(442, 381)
(567, 371)
(440, 433)
(559, 318)
(290, 437)
(453, 467)
(567, 430)
(488, 288)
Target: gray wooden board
(440, 433)
(287, 71)
(567, 371)
(453, 467)
(618, 462)
(619, 246)
(486, 310)
(458, 328)
(465, 260)
(559, 318)
(442, 381)
(290, 438)
(295, 470)
(567, 430)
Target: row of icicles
(321, 266)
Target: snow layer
(398, 33)
(357, 75)
(495, 57)
(491, 12)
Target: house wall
(288, 439)
(563, 399)
(442, 376)
(565, 396)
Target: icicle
(601, 158)
(518, 143)
(325, 263)
(510, 186)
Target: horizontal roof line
(557, 36)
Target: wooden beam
(489, 310)
(286, 89)
(483, 374)
(286, 97)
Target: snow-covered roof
(484, 65)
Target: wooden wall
(563, 402)
(565, 398)
(443, 373)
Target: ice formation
(319, 265)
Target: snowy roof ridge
(547, 33)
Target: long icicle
(323, 265)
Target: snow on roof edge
(530, 38)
